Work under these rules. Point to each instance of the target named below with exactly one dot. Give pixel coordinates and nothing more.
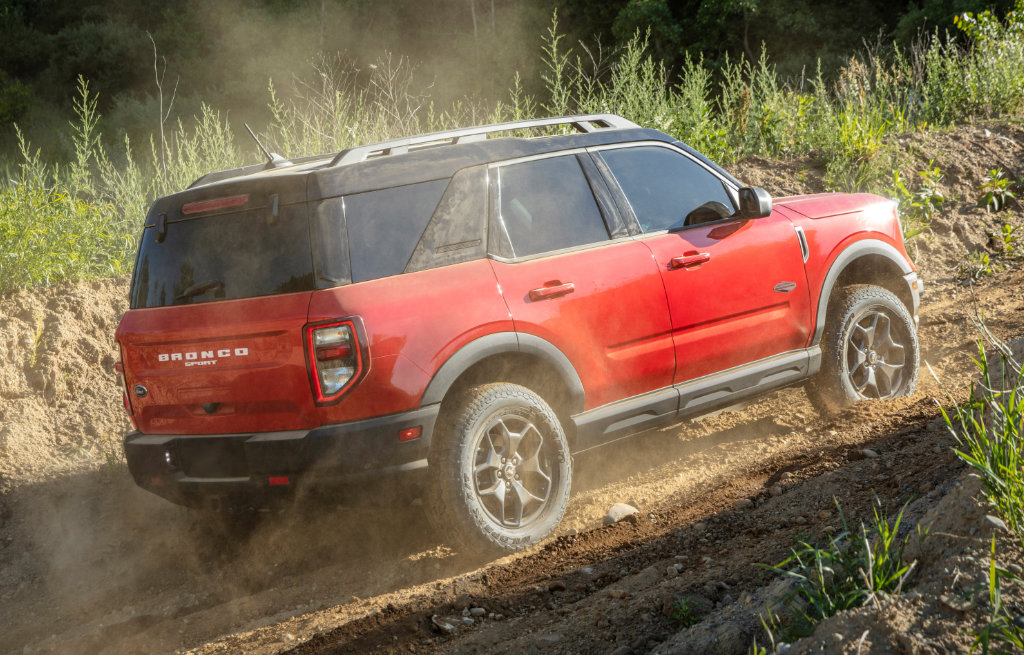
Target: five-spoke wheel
(874, 359)
(502, 470)
(868, 350)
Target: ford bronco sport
(460, 313)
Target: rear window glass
(548, 205)
(226, 256)
(385, 226)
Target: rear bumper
(258, 468)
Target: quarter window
(547, 205)
(662, 185)
(385, 226)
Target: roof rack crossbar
(586, 123)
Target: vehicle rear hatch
(212, 343)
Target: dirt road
(108, 568)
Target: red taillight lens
(328, 353)
(335, 359)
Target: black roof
(387, 165)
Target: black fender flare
(853, 252)
(497, 344)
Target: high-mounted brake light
(216, 203)
(335, 358)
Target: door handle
(551, 290)
(689, 259)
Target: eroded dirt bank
(89, 563)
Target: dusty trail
(89, 563)
(116, 570)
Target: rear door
(213, 342)
(737, 290)
(565, 279)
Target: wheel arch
(869, 261)
(524, 359)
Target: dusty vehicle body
(459, 315)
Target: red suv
(461, 314)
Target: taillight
(335, 358)
(125, 398)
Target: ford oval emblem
(140, 391)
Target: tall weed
(990, 430)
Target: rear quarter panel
(413, 322)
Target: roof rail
(585, 123)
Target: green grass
(81, 218)
(918, 205)
(686, 613)
(990, 431)
(1000, 629)
(851, 568)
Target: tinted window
(547, 205)
(385, 226)
(662, 185)
(227, 256)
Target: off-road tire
(882, 363)
(466, 465)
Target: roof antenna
(274, 160)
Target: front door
(737, 290)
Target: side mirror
(754, 202)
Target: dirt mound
(964, 156)
(947, 596)
(60, 401)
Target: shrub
(995, 191)
(82, 218)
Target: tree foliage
(222, 53)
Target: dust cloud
(225, 53)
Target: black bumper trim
(187, 468)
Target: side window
(547, 205)
(662, 185)
(385, 226)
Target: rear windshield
(239, 255)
